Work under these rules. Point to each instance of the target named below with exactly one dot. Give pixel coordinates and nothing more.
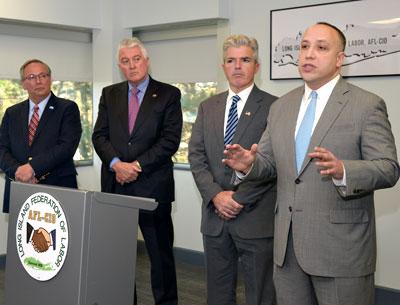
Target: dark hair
(342, 38)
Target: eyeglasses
(34, 77)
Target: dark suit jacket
(206, 152)
(153, 141)
(52, 150)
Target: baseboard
(2, 261)
(386, 296)
(182, 255)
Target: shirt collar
(244, 94)
(42, 104)
(323, 92)
(142, 86)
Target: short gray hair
(132, 42)
(31, 61)
(237, 41)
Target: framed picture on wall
(372, 30)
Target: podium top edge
(126, 201)
(46, 187)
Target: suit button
(290, 209)
(129, 143)
(297, 181)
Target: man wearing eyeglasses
(39, 136)
(138, 130)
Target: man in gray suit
(325, 239)
(236, 224)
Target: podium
(98, 258)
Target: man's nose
(238, 64)
(310, 52)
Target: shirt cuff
(113, 161)
(241, 175)
(340, 182)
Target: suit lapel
(24, 117)
(293, 108)
(337, 101)
(121, 97)
(219, 118)
(251, 107)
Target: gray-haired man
(236, 225)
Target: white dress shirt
(244, 95)
(323, 94)
(42, 106)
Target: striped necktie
(232, 121)
(33, 124)
(304, 133)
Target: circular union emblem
(42, 236)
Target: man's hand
(34, 180)
(238, 158)
(225, 206)
(126, 172)
(25, 173)
(329, 164)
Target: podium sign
(71, 247)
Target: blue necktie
(232, 121)
(304, 133)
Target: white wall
(250, 17)
(76, 13)
(155, 12)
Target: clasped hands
(126, 172)
(241, 160)
(225, 206)
(25, 173)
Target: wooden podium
(99, 264)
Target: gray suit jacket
(333, 228)
(205, 156)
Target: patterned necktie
(33, 124)
(232, 121)
(133, 108)
(305, 131)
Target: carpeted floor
(191, 284)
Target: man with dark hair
(39, 136)
(330, 144)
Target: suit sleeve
(70, 131)
(7, 162)
(378, 167)
(169, 138)
(198, 160)
(249, 193)
(264, 166)
(101, 133)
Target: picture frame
(372, 30)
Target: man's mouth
(308, 67)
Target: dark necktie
(33, 124)
(232, 121)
